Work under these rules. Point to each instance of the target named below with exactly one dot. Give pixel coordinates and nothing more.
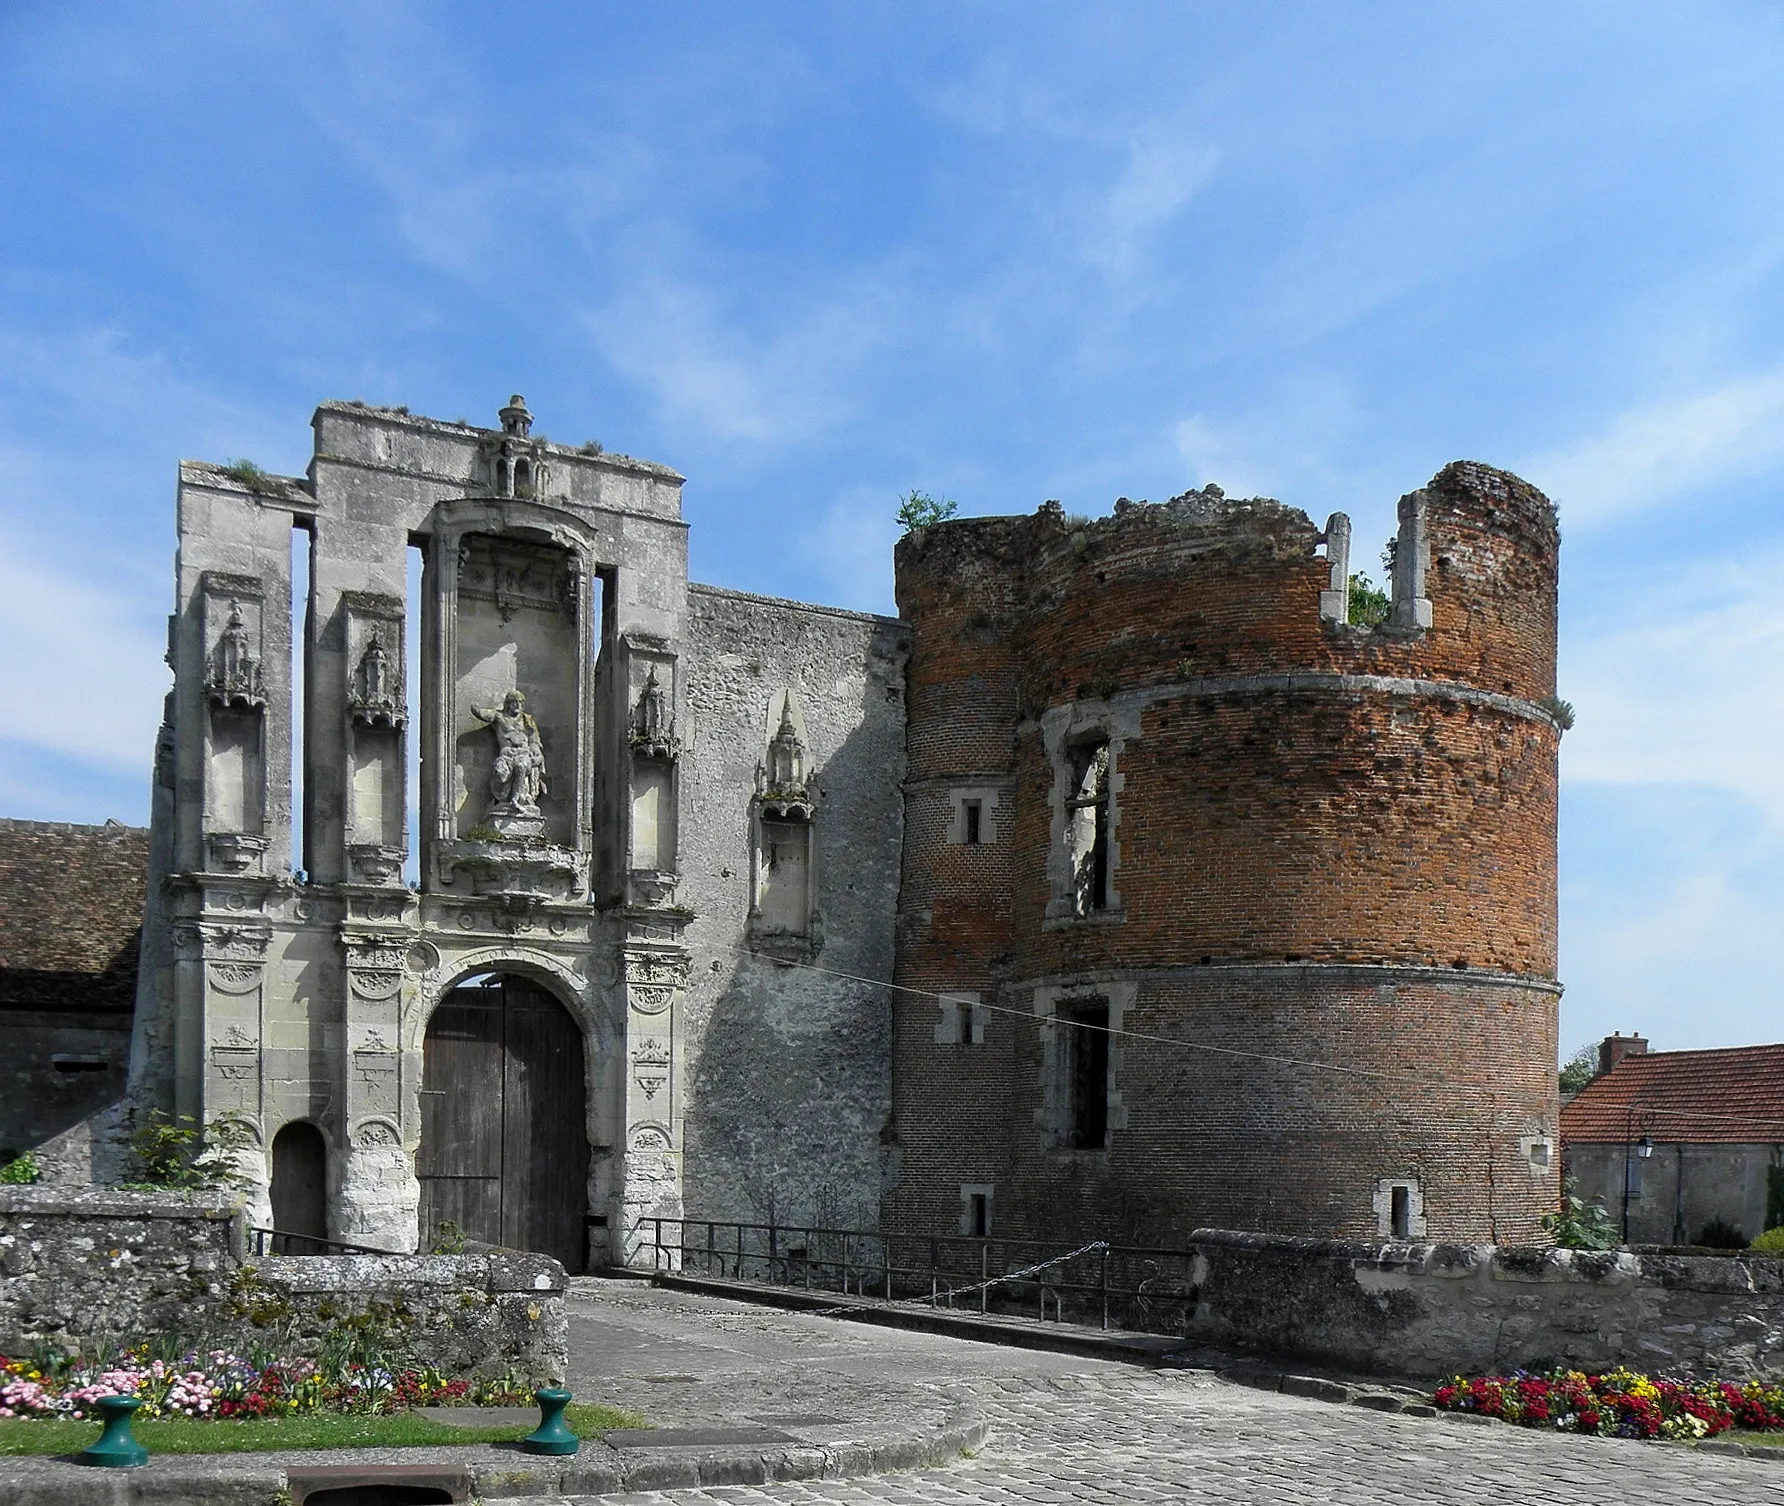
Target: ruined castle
(1121, 885)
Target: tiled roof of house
(1736, 1095)
(71, 900)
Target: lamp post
(1631, 1153)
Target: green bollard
(116, 1448)
(553, 1435)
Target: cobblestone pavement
(1068, 1430)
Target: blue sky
(815, 255)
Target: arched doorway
(299, 1192)
(504, 1137)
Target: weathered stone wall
(1436, 1309)
(1330, 862)
(96, 1268)
(787, 1068)
(1680, 1189)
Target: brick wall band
(1286, 791)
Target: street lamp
(1641, 1151)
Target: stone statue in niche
(518, 778)
(653, 725)
(235, 676)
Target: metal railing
(1103, 1285)
(284, 1242)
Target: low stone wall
(93, 1268)
(1432, 1310)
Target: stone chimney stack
(1613, 1048)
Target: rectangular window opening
(972, 811)
(1084, 1047)
(1087, 825)
(412, 705)
(1400, 1212)
(967, 1010)
(978, 1215)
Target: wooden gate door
(504, 1139)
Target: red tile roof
(1735, 1095)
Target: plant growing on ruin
(173, 1153)
(1580, 1225)
(1770, 1243)
(20, 1171)
(251, 476)
(918, 510)
(1561, 710)
(1369, 604)
(449, 1239)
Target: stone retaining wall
(1433, 1310)
(96, 1267)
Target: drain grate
(378, 1485)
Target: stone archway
(504, 1141)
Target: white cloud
(711, 374)
(1162, 175)
(1659, 453)
(81, 676)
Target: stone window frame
(1539, 1153)
(990, 798)
(955, 1009)
(1383, 1204)
(1064, 731)
(1054, 1115)
(970, 1191)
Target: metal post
(984, 1273)
(710, 1240)
(886, 1263)
(773, 1248)
(738, 1272)
(1105, 1287)
(932, 1258)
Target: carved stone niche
(535, 871)
(783, 919)
(512, 463)
(376, 712)
(232, 623)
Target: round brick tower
(1246, 912)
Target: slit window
(979, 1215)
(972, 813)
(1084, 1062)
(1400, 1212)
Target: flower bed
(222, 1386)
(1619, 1403)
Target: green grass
(318, 1430)
(1768, 1440)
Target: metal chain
(934, 1298)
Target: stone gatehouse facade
(1204, 905)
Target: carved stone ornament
(220, 940)
(235, 851)
(375, 951)
(375, 863)
(781, 777)
(649, 998)
(375, 1133)
(233, 676)
(515, 871)
(377, 694)
(666, 968)
(653, 722)
(649, 1135)
(236, 977)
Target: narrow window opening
(303, 554)
(1087, 816)
(1084, 1047)
(972, 810)
(412, 704)
(978, 1215)
(967, 1011)
(1400, 1212)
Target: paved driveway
(1065, 1429)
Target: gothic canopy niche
(512, 670)
(377, 718)
(783, 920)
(656, 750)
(233, 615)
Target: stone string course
(95, 1268)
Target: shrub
(1369, 604)
(1771, 1242)
(1580, 1225)
(174, 1153)
(919, 509)
(20, 1171)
